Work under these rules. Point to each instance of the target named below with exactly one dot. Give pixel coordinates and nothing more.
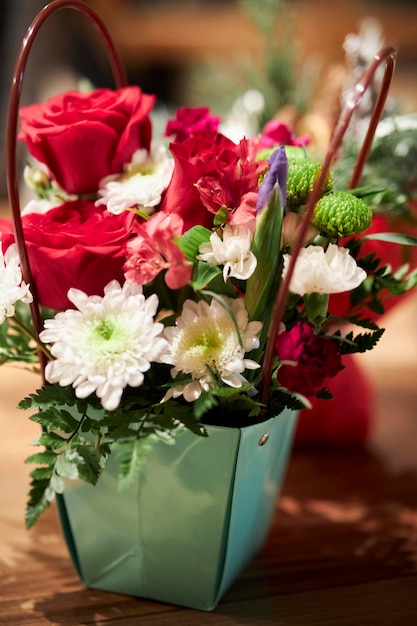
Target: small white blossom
(320, 271)
(205, 344)
(233, 252)
(41, 205)
(141, 185)
(12, 286)
(105, 345)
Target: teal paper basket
(199, 511)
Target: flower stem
(24, 329)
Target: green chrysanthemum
(302, 175)
(341, 214)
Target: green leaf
(399, 238)
(192, 239)
(131, 457)
(204, 273)
(90, 464)
(37, 501)
(42, 473)
(49, 396)
(205, 403)
(324, 394)
(50, 440)
(46, 457)
(352, 344)
(55, 419)
(261, 287)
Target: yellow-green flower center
(203, 344)
(106, 337)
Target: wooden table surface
(342, 549)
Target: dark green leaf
(37, 501)
(90, 467)
(362, 342)
(46, 457)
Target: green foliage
(351, 344)
(390, 168)
(15, 345)
(276, 72)
(192, 239)
(381, 281)
(78, 437)
(262, 285)
(280, 399)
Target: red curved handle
(12, 122)
(386, 55)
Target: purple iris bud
(277, 175)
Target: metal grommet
(263, 439)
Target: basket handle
(386, 56)
(12, 122)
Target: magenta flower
(312, 359)
(276, 133)
(189, 121)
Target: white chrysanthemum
(205, 344)
(141, 185)
(105, 345)
(320, 271)
(12, 286)
(232, 251)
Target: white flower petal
(142, 185)
(232, 251)
(12, 286)
(106, 345)
(204, 342)
(327, 272)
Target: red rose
(189, 121)
(210, 171)
(315, 358)
(73, 245)
(83, 137)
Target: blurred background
(211, 52)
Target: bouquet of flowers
(158, 265)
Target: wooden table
(342, 549)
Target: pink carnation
(153, 250)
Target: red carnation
(316, 358)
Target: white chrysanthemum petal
(327, 272)
(106, 345)
(141, 185)
(205, 344)
(12, 286)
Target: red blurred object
(344, 421)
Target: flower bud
(302, 175)
(316, 305)
(341, 214)
(37, 180)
